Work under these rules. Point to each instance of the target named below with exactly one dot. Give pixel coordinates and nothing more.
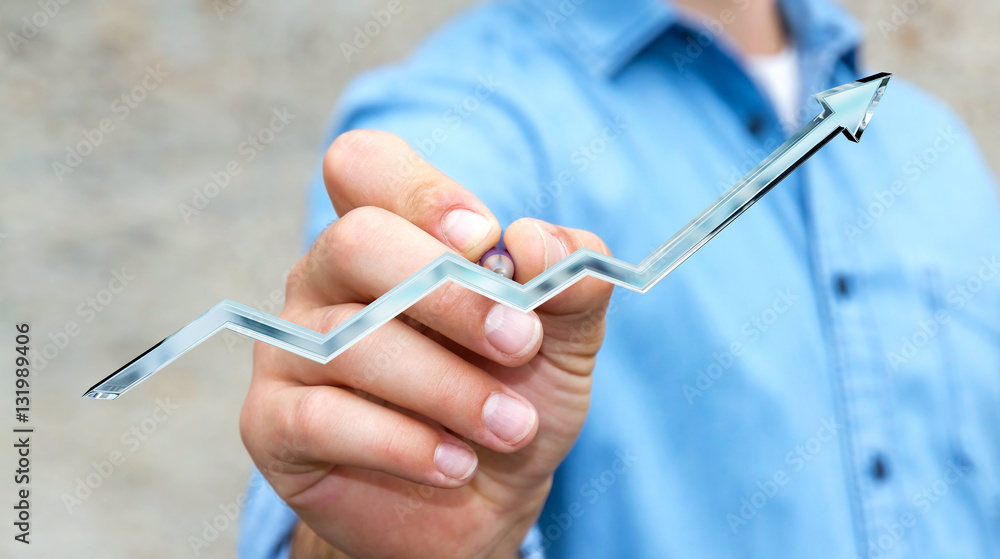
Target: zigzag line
(448, 267)
(858, 99)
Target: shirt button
(962, 461)
(755, 125)
(842, 285)
(879, 470)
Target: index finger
(374, 168)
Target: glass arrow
(846, 109)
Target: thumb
(573, 320)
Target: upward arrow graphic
(847, 109)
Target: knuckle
(446, 300)
(346, 150)
(393, 444)
(581, 238)
(297, 424)
(298, 276)
(450, 387)
(597, 243)
(351, 233)
(423, 194)
(411, 184)
(363, 220)
(352, 149)
(377, 357)
(264, 356)
(336, 316)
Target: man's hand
(437, 435)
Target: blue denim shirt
(823, 378)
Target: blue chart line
(846, 109)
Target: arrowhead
(852, 104)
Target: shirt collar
(605, 35)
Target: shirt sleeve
(532, 547)
(266, 523)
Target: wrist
(513, 527)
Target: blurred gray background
(224, 65)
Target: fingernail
(454, 461)
(554, 249)
(511, 331)
(465, 229)
(509, 419)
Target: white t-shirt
(778, 75)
